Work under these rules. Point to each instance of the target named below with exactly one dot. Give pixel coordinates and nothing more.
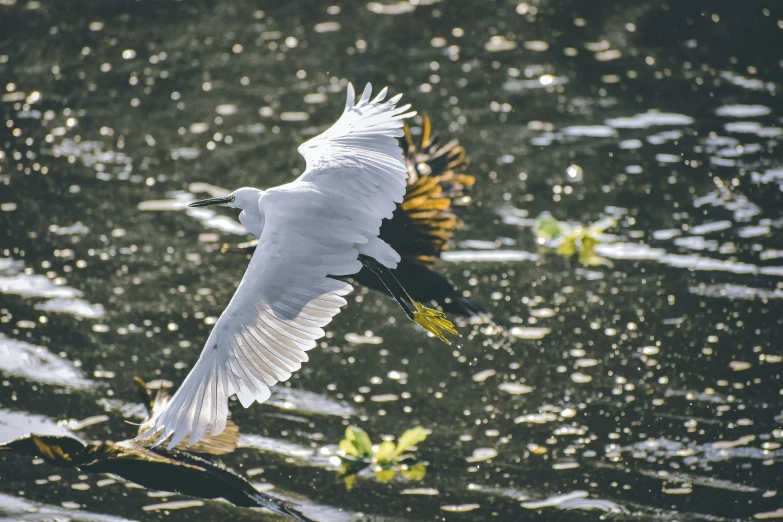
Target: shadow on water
(647, 388)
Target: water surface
(647, 390)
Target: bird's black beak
(212, 201)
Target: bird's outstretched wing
(358, 159)
(286, 296)
(261, 338)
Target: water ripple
(37, 364)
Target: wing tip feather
(366, 94)
(381, 95)
(350, 97)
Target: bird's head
(243, 198)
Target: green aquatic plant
(569, 239)
(357, 453)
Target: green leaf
(348, 447)
(385, 475)
(408, 439)
(350, 480)
(547, 226)
(360, 441)
(568, 247)
(384, 452)
(588, 245)
(417, 472)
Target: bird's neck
(253, 220)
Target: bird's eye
(233, 198)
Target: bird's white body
(309, 229)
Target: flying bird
(322, 226)
(423, 224)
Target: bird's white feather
(358, 159)
(312, 228)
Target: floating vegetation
(155, 468)
(357, 453)
(569, 239)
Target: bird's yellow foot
(433, 321)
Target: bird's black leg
(391, 283)
(431, 320)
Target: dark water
(648, 390)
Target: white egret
(423, 224)
(325, 223)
